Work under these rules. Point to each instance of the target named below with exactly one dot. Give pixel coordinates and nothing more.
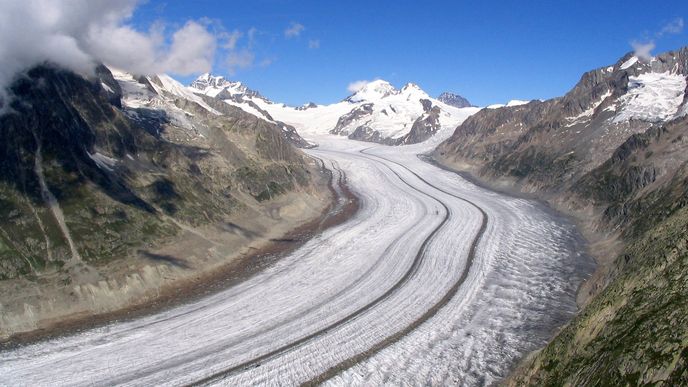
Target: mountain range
(612, 153)
(377, 112)
(101, 173)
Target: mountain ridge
(611, 152)
(454, 100)
(377, 112)
(109, 179)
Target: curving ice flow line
(408, 275)
(400, 292)
(430, 312)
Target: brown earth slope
(103, 204)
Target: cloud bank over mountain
(77, 34)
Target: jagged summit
(394, 116)
(410, 86)
(413, 91)
(587, 124)
(208, 80)
(455, 100)
(219, 86)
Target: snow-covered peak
(411, 86)
(205, 77)
(213, 85)
(382, 111)
(208, 80)
(373, 91)
(413, 91)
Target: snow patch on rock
(585, 115)
(102, 161)
(630, 62)
(517, 102)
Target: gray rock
(455, 100)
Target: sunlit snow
(652, 97)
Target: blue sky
(487, 51)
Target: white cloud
(252, 34)
(356, 86)
(231, 39)
(294, 30)
(245, 57)
(673, 27)
(314, 43)
(240, 59)
(192, 50)
(266, 62)
(643, 50)
(77, 34)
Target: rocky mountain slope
(455, 100)
(238, 95)
(613, 152)
(113, 186)
(378, 112)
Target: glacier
(434, 280)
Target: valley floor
(433, 280)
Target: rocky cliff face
(425, 126)
(93, 171)
(612, 152)
(455, 100)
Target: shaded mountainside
(636, 330)
(613, 152)
(116, 180)
(88, 178)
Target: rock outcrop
(455, 100)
